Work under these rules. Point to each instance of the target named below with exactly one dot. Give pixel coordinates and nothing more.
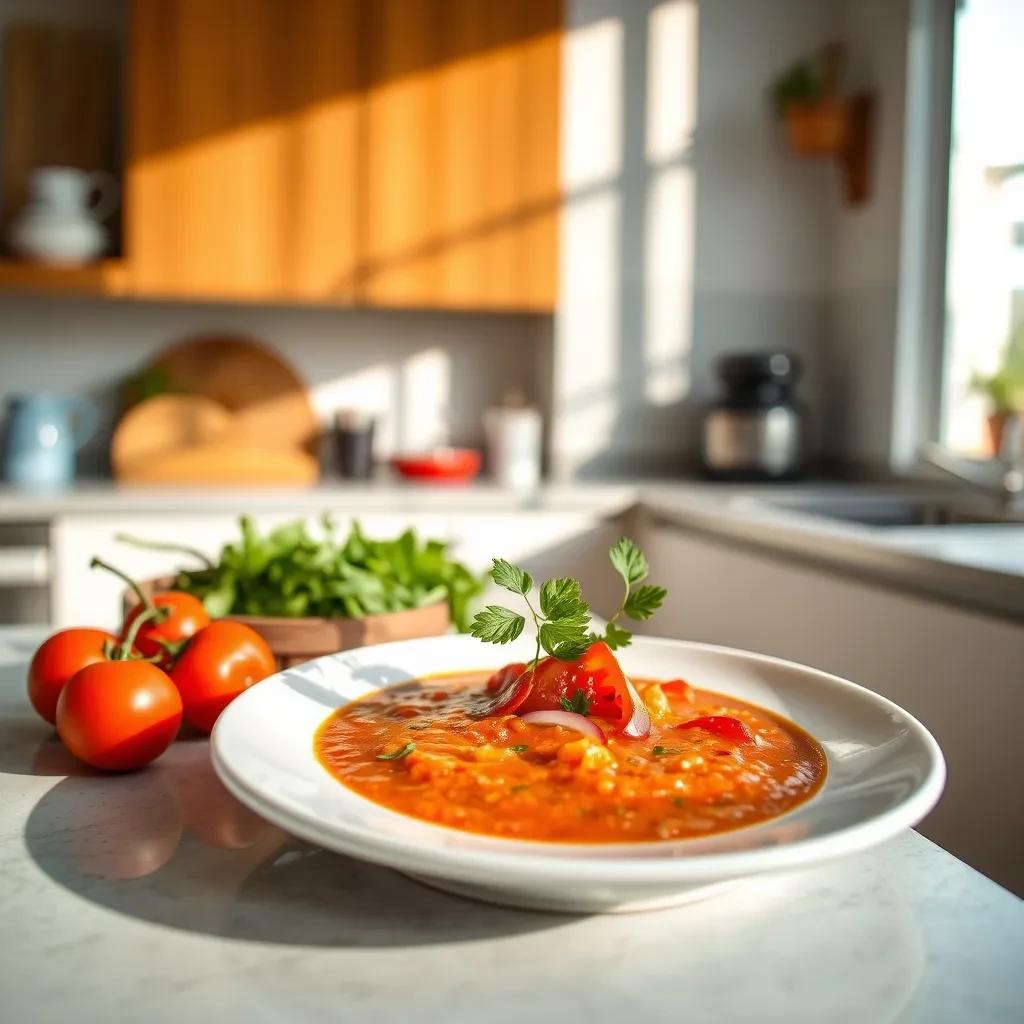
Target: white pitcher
(59, 224)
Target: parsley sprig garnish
(562, 620)
(638, 602)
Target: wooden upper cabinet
(243, 137)
(386, 152)
(462, 125)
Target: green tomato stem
(144, 599)
(123, 651)
(160, 545)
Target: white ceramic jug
(59, 224)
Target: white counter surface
(153, 896)
(975, 566)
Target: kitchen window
(982, 364)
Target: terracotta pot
(996, 426)
(816, 129)
(298, 640)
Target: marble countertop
(155, 896)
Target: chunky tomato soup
(709, 764)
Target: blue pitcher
(42, 434)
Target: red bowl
(446, 465)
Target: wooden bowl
(297, 640)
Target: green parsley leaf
(570, 650)
(519, 788)
(496, 625)
(519, 748)
(511, 577)
(579, 703)
(561, 598)
(558, 636)
(396, 755)
(628, 561)
(615, 637)
(643, 602)
(660, 751)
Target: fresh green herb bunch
(288, 572)
(563, 619)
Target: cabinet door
(243, 130)
(461, 137)
(958, 671)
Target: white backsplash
(428, 375)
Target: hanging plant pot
(816, 128)
(996, 425)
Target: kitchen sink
(887, 512)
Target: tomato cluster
(118, 702)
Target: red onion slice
(568, 720)
(639, 724)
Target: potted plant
(806, 97)
(821, 122)
(1003, 390)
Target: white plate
(885, 772)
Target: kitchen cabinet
(385, 152)
(462, 121)
(243, 148)
(957, 671)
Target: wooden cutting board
(235, 413)
(60, 104)
(266, 397)
(187, 439)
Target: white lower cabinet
(960, 673)
(545, 542)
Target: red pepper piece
(724, 727)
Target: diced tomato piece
(607, 683)
(725, 727)
(509, 697)
(677, 688)
(552, 680)
(596, 673)
(500, 678)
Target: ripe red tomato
(217, 664)
(596, 673)
(119, 714)
(57, 660)
(182, 616)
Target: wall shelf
(107, 277)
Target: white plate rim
(522, 865)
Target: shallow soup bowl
(884, 773)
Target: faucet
(1008, 484)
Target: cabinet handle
(24, 566)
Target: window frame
(921, 326)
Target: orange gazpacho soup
(708, 764)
